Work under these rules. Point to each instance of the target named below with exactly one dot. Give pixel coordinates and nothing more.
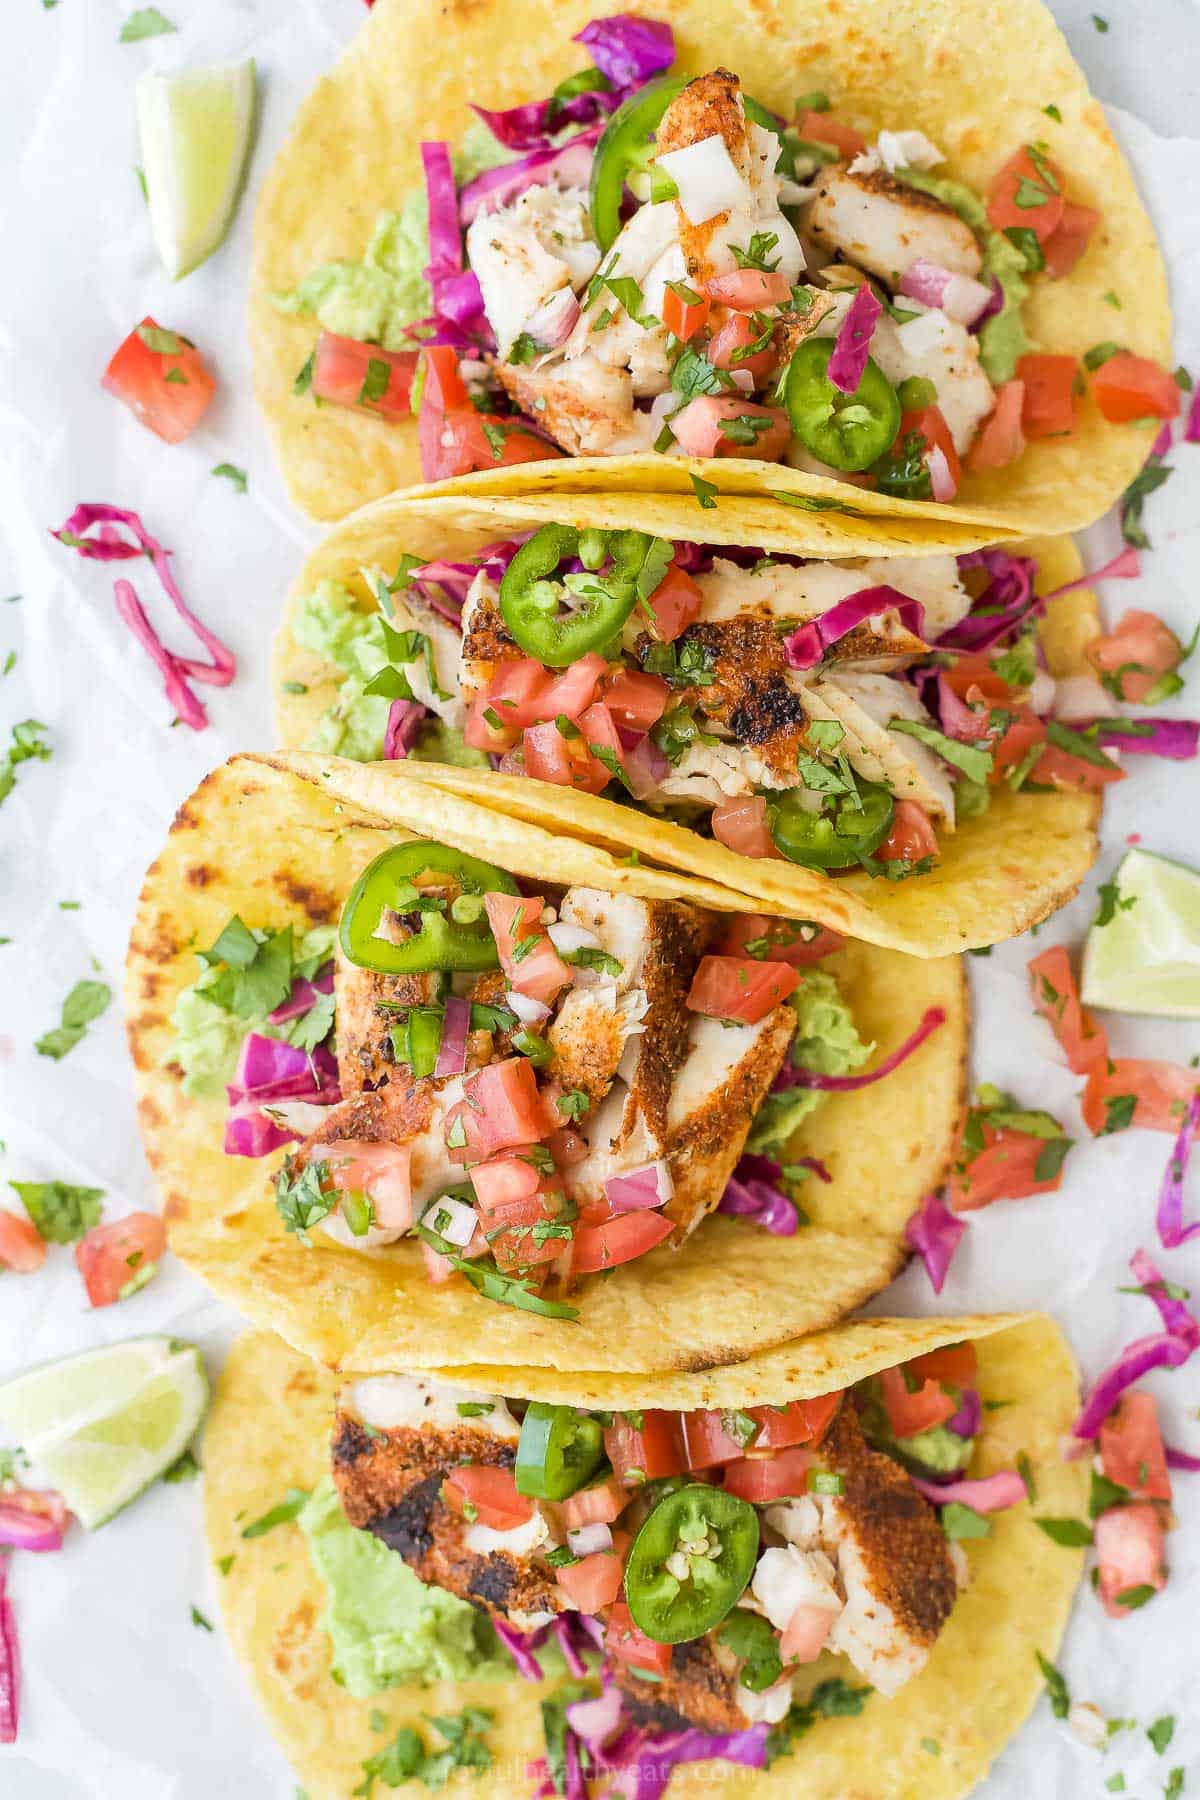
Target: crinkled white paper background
(124, 1698)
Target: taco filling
(537, 1087)
(837, 715)
(711, 1555)
(645, 262)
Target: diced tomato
(955, 1364)
(168, 393)
(512, 1197)
(684, 317)
(635, 700)
(593, 1582)
(749, 290)
(1063, 769)
(805, 1633)
(762, 1479)
(22, 1246)
(549, 756)
(568, 1147)
(1000, 440)
(1139, 650)
(345, 369)
(1129, 1545)
(741, 825)
(1161, 1093)
(740, 987)
(1020, 737)
(492, 1492)
(823, 128)
(1056, 997)
(1027, 193)
(601, 1504)
(698, 428)
(976, 672)
(675, 603)
(646, 1451)
(501, 1109)
(735, 334)
(618, 1240)
(908, 1413)
(1132, 387)
(572, 691)
(112, 1256)
(1048, 409)
(1131, 1447)
(626, 1644)
(378, 1170)
(451, 433)
(929, 424)
(708, 1441)
(487, 728)
(784, 939)
(1069, 239)
(1005, 1169)
(529, 960)
(911, 836)
(43, 1503)
(511, 698)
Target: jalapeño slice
(834, 839)
(846, 431)
(690, 1563)
(530, 600)
(558, 1451)
(441, 940)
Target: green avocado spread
(1002, 338)
(826, 1040)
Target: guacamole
(1002, 338)
(826, 1040)
(208, 1038)
(387, 1628)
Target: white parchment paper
(125, 1699)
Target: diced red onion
(1180, 1459)
(935, 1234)
(10, 1664)
(251, 1130)
(589, 1540)
(597, 1721)
(752, 1193)
(1171, 1229)
(956, 295)
(790, 1076)
(528, 1010)
(969, 1417)
(852, 346)
(640, 1189)
(942, 484)
(1178, 740)
(456, 1220)
(805, 646)
(645, 766)
(552, 324)
(456, 1024)
(995, 304)
(28, 1530)
(303, 996)
(627, 49)
(1162, 442)
(992, 1493)
(568, 165)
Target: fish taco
(908, 749)
(837, 264)
(815, 1569)
(407, 1094)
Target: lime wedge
(104, 1425)
(195, 128)
(1146, 959)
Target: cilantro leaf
(289, 1508)
(300, 1199)
(85, 1003)
(974, 761)
(1072, 1534)
(147, 22)
(62, 1213)
(1056, 1687)
(231, 473)
(250, 971)
(27, 745)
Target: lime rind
(1146, 959)
(195, 128)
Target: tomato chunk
(909, 1413)
(685, 317)
(1133, 1091)
(1129, 1545)
(512, 1198)
(1131, 1447)
(453, 436)
(823, 128)
(635, 700)
(365, 376)
(727, 347)
(762, 1479)
(592, 1582)
(784, 940)
(601, 1504)
(1027, 193)
(741, 825)
(1005, 1169)
(675, 604)
(911, 836)
(930, 425)
(709, 1438)
(378, 1170)
(491, 1492)
(1000, 440)
(167, 390)
(1136, 654)
(1056, 998)
(528, 958)
(806, 1631)
(645, 1447)
(22, 1246)
(112, 1257)
(1061, 768)
(955, 1364)
(501, 1108)
(1132, 387)
(1069, 239)
(1048, 409)
(732, 425)
(626, 1644)
(740, 988)
(749, 289)
(619, 1240)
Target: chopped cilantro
(147, 22)
(253, 969)
(1118, 1113)
(85, 1003)
(289, 1508)
(751, 1638)
(1072, 1534)
(1151, 476)
(304, 379)
(1109, 895)
(1161, 1732)
(62, 1213)
(1056, 1687)
(27, 745)
(1132, 1598)
(705, 492)
(225, 1563)
(199, 1619)
(230, 472)
(1100, 24)
(300, 1199)
(407, 1759)
(1052, 112)
(974, 761)
(587, 958)
(959, 1521)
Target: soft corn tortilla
(261, 838)
(269, 1431)
(995, 875)
(975, 75)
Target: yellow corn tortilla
(995, 876)
(260, 840)
(974, 75)
(269, 1431)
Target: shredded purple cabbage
(1178, 740)
(404, 723)
(969, 1417)
(628, 50)
(564, 165)
(1168, 1349)
(852, 346)
(1181, 1459)
(10, 1665)
(935, 1233)
(457, 296)
(1124, 566)
(805, 647)
(752, 1193)
(1191, 431)
(520, 1646)
(1171, 1229)
(790, 1076)
(1005, 606)
(303, 996)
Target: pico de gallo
(646, 262)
